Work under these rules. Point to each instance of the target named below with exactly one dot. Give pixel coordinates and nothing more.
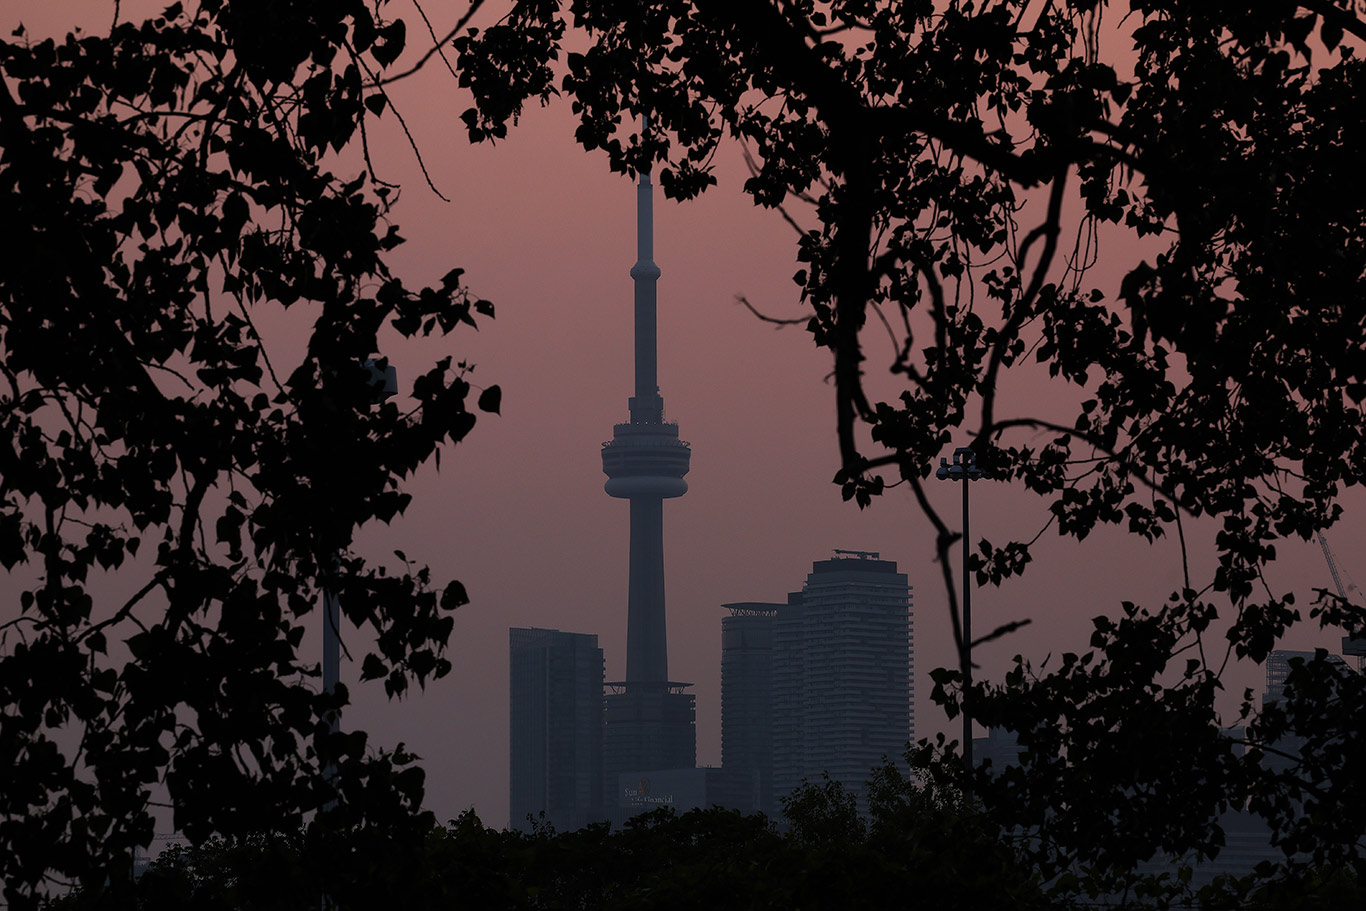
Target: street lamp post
(385, 384)
(964, 468)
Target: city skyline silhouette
(517, 511)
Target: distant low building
(1000, 747)
(1247, 837)
(685, 789)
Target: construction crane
(1355, 646)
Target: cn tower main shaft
(647, 646)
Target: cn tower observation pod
(645, 460)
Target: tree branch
(435, 49)
(944, 540)
(1049, 230)
(1003, 630)
(775, 320)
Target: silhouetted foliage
(917, 847)
(175, 492)
(963, 168)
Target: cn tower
(650, 720)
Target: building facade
(555, 728)
(649, 728)
(842, 673)
(747, 696)
(683, 790)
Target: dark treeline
(917, 845)
(822, 854)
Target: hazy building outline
(840, 681)
(747, 695)
(555, 727)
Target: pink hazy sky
(517, 511)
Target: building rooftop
(752, 608)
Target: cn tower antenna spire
(647, 406)
(645, 212)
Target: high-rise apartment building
(842, 673)
(556, 723)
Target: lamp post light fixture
(964, 468)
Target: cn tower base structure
(647, 730)
(650, 720)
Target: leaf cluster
(179, 480)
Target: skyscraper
(650, 719)
(842, 665)
(555, 729)
(747, 694)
